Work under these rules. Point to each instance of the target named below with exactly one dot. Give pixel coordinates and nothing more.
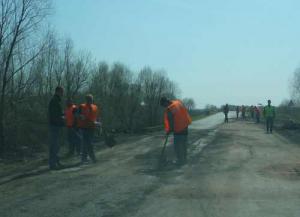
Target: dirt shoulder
(38, 164)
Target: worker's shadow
(153, 163)
(38, 172)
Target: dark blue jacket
(55, 112)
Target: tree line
(34, 62)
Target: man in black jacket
(56, 122)
(226, 111)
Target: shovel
(162, 159)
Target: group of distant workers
(255, 113)
(82, 120)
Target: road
(211, 122)
(234, 170)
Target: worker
(88, 122)
(257, 114)
(72, 130)
(237, 110)
(226, 111)
(176, 121)
(243, 112)
(269, 115)
(56, 122)
(252, 112)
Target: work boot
(57, 167)
(177, 163)
(84, 161)
(53, 168)
(60, 166)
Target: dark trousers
(226, 117)
(54, 132)
(257, 118)
(88, 148)
(180, 146)
(237, 115)
(74, 140)
(269, 124)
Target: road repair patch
(284, 171)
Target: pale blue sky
(225, 51)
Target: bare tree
(31, 65)
(155, 85)
(295, 86)
(189, 103)
(19, 20)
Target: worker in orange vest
(72, 130)
(176, 121)
(88, 122)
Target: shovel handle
(165, 144)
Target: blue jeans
(270, 123)
(88, 147)
(74, 140)
(257, 118)
(226, 117)
(54, 132)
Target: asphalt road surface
(233, 170)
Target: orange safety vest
(181, 117)
(70, 116)
(90, 114)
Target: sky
(217, 51)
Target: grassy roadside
(198, 117)
(285, 114)
(201, 116)
(287, 123)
